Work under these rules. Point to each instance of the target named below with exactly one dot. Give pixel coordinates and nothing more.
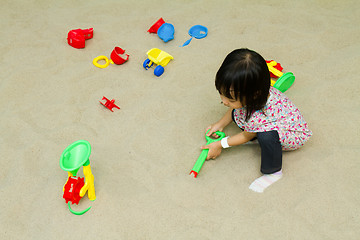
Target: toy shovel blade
(187, 42)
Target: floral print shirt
(279, 114)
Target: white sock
(261, 183)
(252, 142)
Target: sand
(142, 154)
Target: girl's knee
(271, 152)
(268, 137)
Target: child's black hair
(244, 76)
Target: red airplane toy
(110, 104)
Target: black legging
(271, 151)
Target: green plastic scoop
(75, 156)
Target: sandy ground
(142, 154)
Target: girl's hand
(215, 147)
(220, 125)
(214, 150)
(213, 128)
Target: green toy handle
(203, 155)
(78, 213)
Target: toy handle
(199, 162)
(187, 42)
(211, 140)
(203, 155)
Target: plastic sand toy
(109, 104)
(165, 31)
(160, 58)
(117, 57)
(285, 79)
(203, 155)
(75, 156)
(154, 28)
(76, 38)
(198, 32)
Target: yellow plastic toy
(158, 57)
(273, 70)
(107, 61)
(285, 79)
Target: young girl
(262, 112)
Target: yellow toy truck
(160, 58)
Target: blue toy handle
(187, 42)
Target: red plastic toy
(109, 104)
(154, 28)
(115, 56)
(277, 66)
(76, 38)
(72, 189)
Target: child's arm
(221, 124)
(215, 148)
(240, 138)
